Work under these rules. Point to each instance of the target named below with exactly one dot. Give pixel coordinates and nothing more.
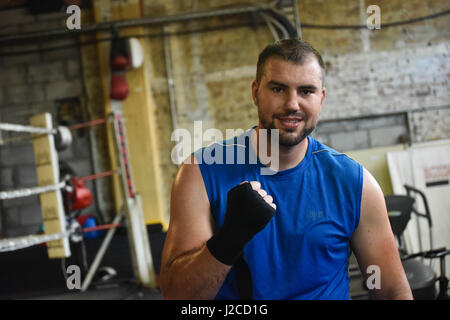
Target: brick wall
(381, 82)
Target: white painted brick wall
(386, 81)
(431, 125)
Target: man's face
(289, 98)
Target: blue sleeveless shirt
(303, 252)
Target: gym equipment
(421, 277)
(120, 62)
(426, 292)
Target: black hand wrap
(247, 214)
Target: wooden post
(47, 168)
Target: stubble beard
(287, 138)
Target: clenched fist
(249, 210)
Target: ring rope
(38, 131)
(12, 244)
(26, 192)
(17, 243)
(28, 129)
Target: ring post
(47, 168)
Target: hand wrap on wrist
(247, 214)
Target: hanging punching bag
(120, 62)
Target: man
(236, 233)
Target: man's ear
(255, 87)
(323, 96)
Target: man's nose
(292, 101)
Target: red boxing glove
(120, 63)
(119, 86)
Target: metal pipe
(277, 24)
(108, 26)
(168, 62)
(101, 252)
(271, 28)
(297, 19)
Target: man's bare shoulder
(188, 175)
(190, 219)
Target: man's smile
(290, 122)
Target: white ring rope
(63, 136)
(4, 195)
(29, 129)
(12, 244)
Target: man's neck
(289, 157)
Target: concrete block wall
(30, 84)
(363, 133)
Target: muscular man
(236, 233)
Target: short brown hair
(292, 50)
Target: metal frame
(132, 207)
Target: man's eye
(277, 89)
(306, 92)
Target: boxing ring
(59, 229)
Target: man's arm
(188, 269)
(373, 244)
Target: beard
(287, 138)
